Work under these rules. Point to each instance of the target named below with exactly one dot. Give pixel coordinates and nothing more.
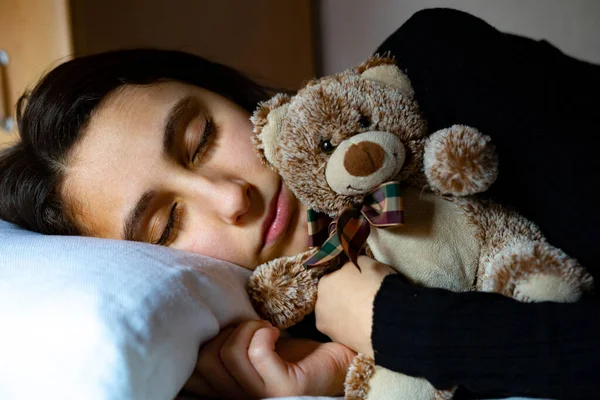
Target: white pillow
(85, 318)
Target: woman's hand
(248, 361)
(344, 309)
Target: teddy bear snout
(364, 158)
(364, 161)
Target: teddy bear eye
(364, 121)
(327, 147)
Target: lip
(276, 221)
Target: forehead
(108, 167)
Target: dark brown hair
(53, 116)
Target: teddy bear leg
(366, 381)
(460, 161)
(535, 271)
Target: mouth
(354, 190)
(278, 216)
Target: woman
(155, 146)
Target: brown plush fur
(460, 163)
(272, 281)
(375, 101)
(513, 250)
(356, 385)
(375, 62)
(290, 288)
(333, 107)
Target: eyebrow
(132, 223)
(177, 113)
(134, 218)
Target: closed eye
(203, 142)
(172, 227)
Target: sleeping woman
(155, 146)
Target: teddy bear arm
(460, 161)
(283, 291)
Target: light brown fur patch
(356, 385)
(375, 61)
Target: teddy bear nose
(364, 158)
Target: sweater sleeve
(488, 343)
(539, 106)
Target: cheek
(214, 243)
(239, 150)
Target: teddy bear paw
(283, 291)
(460, 161)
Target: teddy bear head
(343, 135)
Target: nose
(364, 158)
(232, 200)
(226, 198)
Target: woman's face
(174, 164)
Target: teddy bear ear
(267, 120)
(383, 69)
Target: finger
(265, 359)
(326, 367)
(234, 354)
(211, 368)
(199, 387)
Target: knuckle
(256, 353)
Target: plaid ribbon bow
(382, 208)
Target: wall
(352, 29)
(36, 36)
(270, 40)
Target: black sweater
(540, 107)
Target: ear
(268, 119)
(384, 70)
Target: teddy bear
(355, 148)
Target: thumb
(261, 352)
(327, 367)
